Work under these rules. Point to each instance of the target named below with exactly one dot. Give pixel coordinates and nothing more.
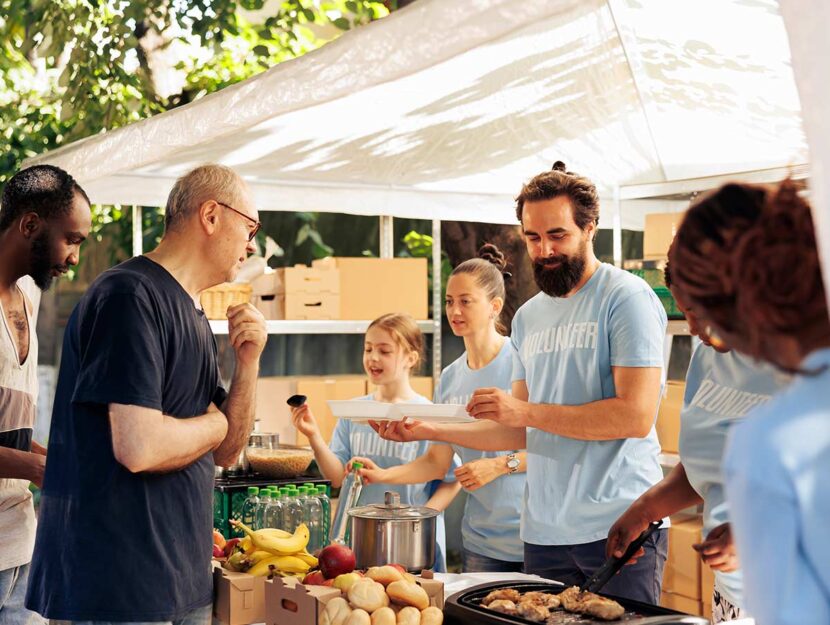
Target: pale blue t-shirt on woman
(351, 439)
(490, 526)
(777, 465)
(720, 390)
(565, 349)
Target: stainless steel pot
(394, 533)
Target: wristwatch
(512, 462)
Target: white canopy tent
(443, 109)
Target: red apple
(328, 582)
(218, 539)
(315, 578)
(217, 552)
(336, 560)
(230, 546)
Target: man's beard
(560, 281)
(41, 261)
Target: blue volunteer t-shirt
(776, 465)
(565, 348)
(490, 526)
(114, 545)
(351, 439)
(720, 390)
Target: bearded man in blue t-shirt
(141, 418)
(586, 385)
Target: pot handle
(392, 499)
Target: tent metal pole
(387, 236)
(138, 231)
(617, 234)
(437, 303)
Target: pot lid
(392, 509)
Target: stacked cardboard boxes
(687, 582)
(371, 287)
(668, 416)
(298, 292)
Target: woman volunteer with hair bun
(494, 480)
(745, 260)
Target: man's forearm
(17, 464)
(144, 439)
(606, 419)
(482, 435)
(670, 495)
(240, 410)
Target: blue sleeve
(340, 441)
(519, 374)
(120, 351)
(780, 586)
(637, 330)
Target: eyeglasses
(257, 225)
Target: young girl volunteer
(393, 348)
(494, 480)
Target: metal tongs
(613, 564)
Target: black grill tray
(465, 607)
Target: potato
(384, 616)
(359, 617)
(337, 612)
(409, 616)
(432, 616)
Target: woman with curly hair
(745, 259)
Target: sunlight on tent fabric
(443, 110)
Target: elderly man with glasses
(141, 418)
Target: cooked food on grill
(541, 598)
(591, 604)
(508, 594)
(535, 612)
(505, 606)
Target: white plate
(363, 410)
(436, 413)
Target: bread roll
(368, 595)
(337, 612)
(409, 616)
(432, 616)
(384, 574)
(384, 616)
(404, 593)
(359, 617)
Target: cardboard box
(298, 279)
(239, 598)
(298, 292)
(273, 413)
(288, 602)
(319, 391)
(371, 287)
(707, 584)
(682, 604)
(682, 572)
(658, 234)
(668, 416)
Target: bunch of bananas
(272, 552)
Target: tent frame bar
(691, 186)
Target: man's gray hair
(206, 182)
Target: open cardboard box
(288, 602)
(238, 598)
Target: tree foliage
(73, 68)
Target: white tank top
(18, 407)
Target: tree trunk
(462, 240)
